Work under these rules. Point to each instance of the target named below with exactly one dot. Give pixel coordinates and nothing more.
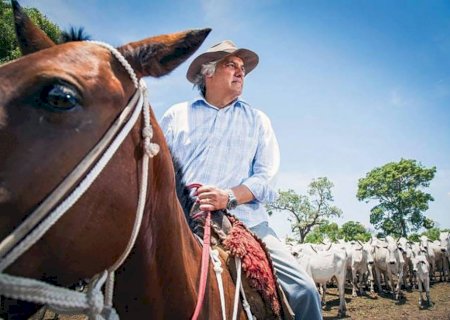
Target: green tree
(306, 212)
(432, 233)
(9, 47)
(353, 230)
(401, 202)
(415, 237)
(325, 230)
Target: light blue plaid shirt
(226, 147)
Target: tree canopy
(401, 202)
(354, 230)
(9, 47)
(351, 230)
(305, 212)
(327, 230)
(432, 233)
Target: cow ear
(30, 37)
(157, 56)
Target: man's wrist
(232, 201)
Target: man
(223, 143)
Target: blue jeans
(298, 286)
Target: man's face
(228, 78)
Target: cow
(421, 268)
(324, 265)
(405, 247)
(361, 260)
(441, 262)
(425, 244)
(389, 261)
(444, 238)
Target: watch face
(232, 201)
(232, 204)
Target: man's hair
(207, 69)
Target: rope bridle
(59, 299)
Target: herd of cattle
(401, 262)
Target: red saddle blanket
(255, 263)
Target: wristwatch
(232, 201)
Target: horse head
(56, 103)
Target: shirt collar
(201, 101)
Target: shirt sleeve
(265, 164)
(166, 126)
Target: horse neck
(161, 274)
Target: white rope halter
(63, 300)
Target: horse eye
(60, 97)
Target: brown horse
(56, 103)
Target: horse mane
(74, 34)
(183, 193)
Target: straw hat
(218, 52)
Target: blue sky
(349, 85)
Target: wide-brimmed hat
(219, 51)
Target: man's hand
(211, 198)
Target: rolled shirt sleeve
(265, 164)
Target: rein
(42, 218)
(214, 254)
(205, 264)
(205, 259)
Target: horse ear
(30, 37)
(157, 56)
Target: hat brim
(249, 58)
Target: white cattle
(421, 268)
(405, 247)
(347, 247)
(370, 264)
(301, 248)
(444, 238)
(389, 261)
(361, 259)
(324, 265)
(425, 244)
(441, 262)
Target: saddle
(232, 239)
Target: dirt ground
(385, 307)
(367, 307)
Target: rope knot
(151, 149)
(147, 132)
(218, 268)
(215, 253)
(95, 298)
(216, 261)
